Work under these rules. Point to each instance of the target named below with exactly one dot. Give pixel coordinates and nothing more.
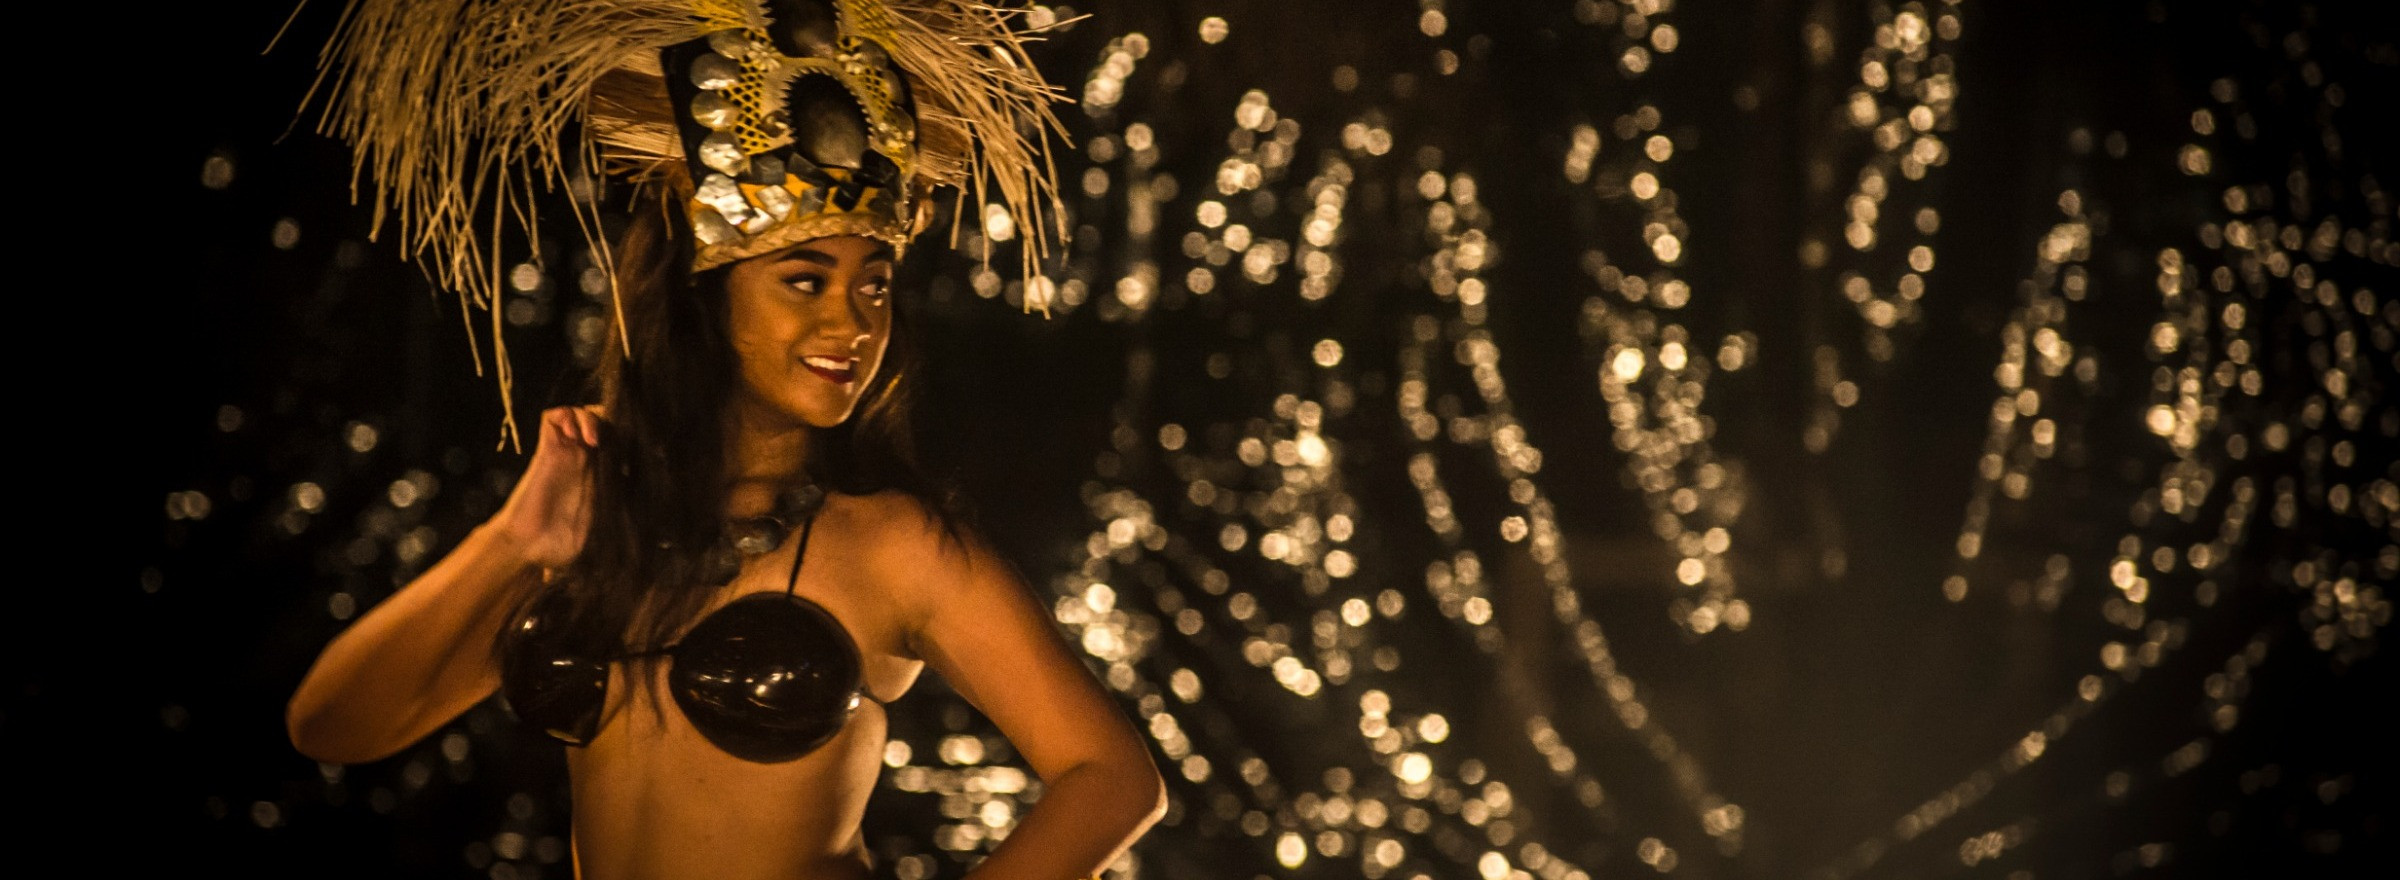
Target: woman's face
(809, 325)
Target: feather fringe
(458, 112)
(983, 116)
(455, 110)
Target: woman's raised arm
(982, 629)
(424, 655)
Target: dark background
(1876, 714)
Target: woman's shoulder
(913, 554)
(902, 524)
(888, 510)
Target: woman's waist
(644, 786)
(729, 835)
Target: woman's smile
(837, 370)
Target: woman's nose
(843, 318)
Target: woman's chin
(803, 410)
(826, 416)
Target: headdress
(770, 121)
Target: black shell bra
(768, 678)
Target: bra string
(800, 553)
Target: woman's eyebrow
(882, 253)
(805, 255)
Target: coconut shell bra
(767, 678)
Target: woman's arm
(424, 655)
(981, 628)
(414, 662)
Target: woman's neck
(764, 455)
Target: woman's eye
(877, 291)
(807, 284)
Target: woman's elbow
(317, 734)
(305, 725)
(1148, 792)
(1158, 800)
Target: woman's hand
(547, 516)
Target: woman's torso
(655, 799)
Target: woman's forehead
(835, 250)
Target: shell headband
(771, 122)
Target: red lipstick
(819, 364)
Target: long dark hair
(660, 480)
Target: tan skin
(653, 799)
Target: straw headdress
(771, 121)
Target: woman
(667, 589)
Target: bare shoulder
(897, 525)
(917, 557)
